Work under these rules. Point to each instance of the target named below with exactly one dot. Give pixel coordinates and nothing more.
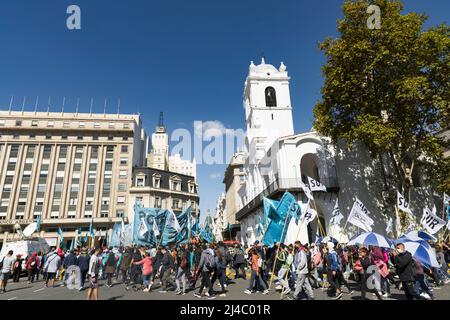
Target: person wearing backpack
(206, 267)
(32, 266)
(239, 262)
(334, 271)
(17, 268)
(256, 262)
(301, 268)
(221, 267)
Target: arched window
(271, 97)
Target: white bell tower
(267, 104)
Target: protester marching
(184, 258)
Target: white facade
(178, 165)
(278, 160)
(159, 155)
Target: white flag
(172, 221)
(307, 191)
(142, 230)
(446, 199)
(431, 222)
(336, 215)
(155, 229)
(310, 215)
(359, 216)
(402, 204)
(389, 226)
(316, 185)
(99, 234)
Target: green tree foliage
(389, 88)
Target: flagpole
(278, 249)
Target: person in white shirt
(7, 266)
(93, 275)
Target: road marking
(12, 298)
(39, 290)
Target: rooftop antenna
(78, 105)
(104, 107)
(36, 104)
(63, 104)
(23, 104)
(161, 119)
(118, 107)
(48, 105)
(90, 110)
(10, 103)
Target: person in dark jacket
(168, 265)
(124, 266)
(239, 262)
(196, 271)
(110, 267)
(366, 263)
(83, 263)
(405, 267)
(69, 260)
(157, 262)
(17, 268)
(206, 267)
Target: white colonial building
(278, 160)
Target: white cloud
(215, 175)
(209, 129)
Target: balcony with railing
(280, 186)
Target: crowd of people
(295, 270)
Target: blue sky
(186, 58)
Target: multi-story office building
(67, 168)
(155, 188)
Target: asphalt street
(36, 291)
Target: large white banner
(359, 216)
(316, 185)
(431, 222)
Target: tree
(389, 89)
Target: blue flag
(279, 216)
(91, 228)
(39, 221)
(61, 238)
